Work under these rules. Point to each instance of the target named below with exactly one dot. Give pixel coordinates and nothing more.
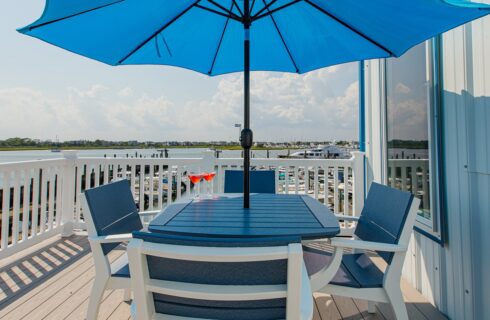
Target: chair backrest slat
(113, 210)
(261, 181)
(263, 274)
(383, 216)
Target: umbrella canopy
(214, 36)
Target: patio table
(269, 216)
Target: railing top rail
(286, 161)
(139, 161)
(30, 164)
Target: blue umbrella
(213, 36)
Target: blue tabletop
(270, 215)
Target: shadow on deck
(53, 281)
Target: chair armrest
(366, 245)
(114, 238)
(346, 218)
(149, 213)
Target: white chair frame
(391, 291)
(297, 291)
(103, 267)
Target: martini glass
(209, 176)
(195, 178)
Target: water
(15, 156)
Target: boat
(322, 152)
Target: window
(410, 131)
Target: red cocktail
(208, 176)
(195, 178)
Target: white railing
(42, 198)
(411, 175)
(31, 202)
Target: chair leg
(371, 307)
(396, 299)
(95, 298)
(127, 294)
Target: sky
(46, 92)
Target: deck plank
(54, 282)
(39, 284)
(316, 313)
(121, 312)
(347, 308)
(326, 307)
(416, 299)
(109, 301)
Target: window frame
(430, 228)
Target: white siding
(455, 278)
(466, 118)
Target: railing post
(68, 192)
(358, 181)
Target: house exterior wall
(454, 277)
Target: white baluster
(151, 187)
(5, 210)
(78, 194)
(59, 198)
(51, 196)
(88, 177)
(335, 188)
(26, 204)
(315, 182)
(160, 186)
(36, 185)
(16, 207)
(44, 196)
(97, 168)
(133, 179)
(142, 187)
(106, 172)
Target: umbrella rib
(282, 38)
(350, 27)
(74, 15)
(222, 8)
(269, 12)
(252, 7)
(237, 6)
(158, 31)
(220, 41)
(226, 15)
(264, 8)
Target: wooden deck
(53, 281)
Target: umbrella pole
(246, 137)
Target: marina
(357, 186)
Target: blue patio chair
(261, 181)
(111, 216)
(175, 277)
(384, 226)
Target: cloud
(319, 105)
(408, 119)
(401, 88)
